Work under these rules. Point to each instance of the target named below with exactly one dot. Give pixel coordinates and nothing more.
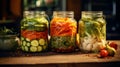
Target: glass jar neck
(63, 14)
(40, 14)
(92, 14)
(33, 14)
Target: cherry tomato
(114, 45)
(103, 53)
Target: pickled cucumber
(40, 27)
(24, 43)
(26, 48)
(22, 47)
(33, 49)
(44, 47)
(42, 42)
(34, 43)
(39, 48)
(22, 38)
(28, 44)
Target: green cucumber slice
(28, 44)
(42, 42)
(22, 47)
(39, 48)
(34, 43)
(33, 49)
(22, 38)
(26, 24)
(26, 48)
(24, 43)
(22, 27)
(44, 47)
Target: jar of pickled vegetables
(34, 31)
(92, 31)
(63, 31)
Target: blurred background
(11, 11)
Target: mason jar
(92, 31)
(63, 29)
(34, 31)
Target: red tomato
(114, 45)
(103, 53)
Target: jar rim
(91, 12)
(69, 14)
(32, 12)
(63, 12)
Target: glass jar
(92, 31)
(34, 31)
(63, 31)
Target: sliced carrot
(62, 27)
(34, 35)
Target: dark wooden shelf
(60, 58)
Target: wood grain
(61, 58)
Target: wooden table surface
(61, 58)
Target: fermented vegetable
(39, 48)
(63, 30)
(28, 44)
(34, 43)
(92, 31)
(42, 42)
(33, 49)
(26, 48)
(24, 43)
(34, 31)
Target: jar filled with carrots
(63, 29)
(34, 31)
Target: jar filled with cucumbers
(63, 29)
(34, 31)
(92, 31)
